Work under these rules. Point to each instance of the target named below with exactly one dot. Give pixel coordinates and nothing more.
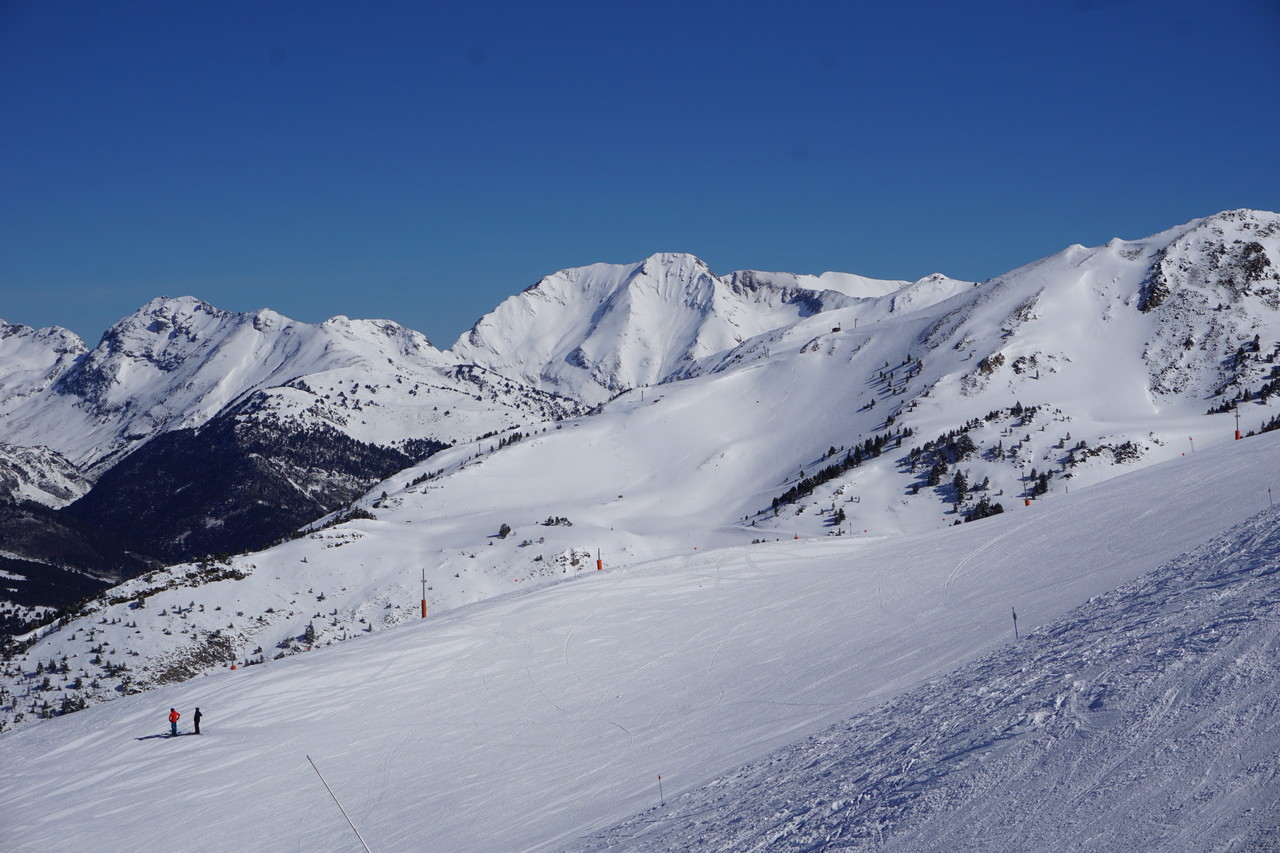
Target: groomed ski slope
(1146, 719)
(536, 720)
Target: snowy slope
(533, 720)
(1145, 719)
(1077, 366)
(698, 463)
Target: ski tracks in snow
(1145, 719)
(962, 567)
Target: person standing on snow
(173, 721)
(196, 720)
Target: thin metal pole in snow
(1015, 624)
(340, 808)
(661, 799)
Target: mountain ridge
(879, 406)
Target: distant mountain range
(652, 407)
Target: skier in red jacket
(173, 721)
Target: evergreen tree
(984, 508)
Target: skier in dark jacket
(196, 720)
(173, 721)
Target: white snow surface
(1146, 719)
(806, 694)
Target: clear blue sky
(421, 161)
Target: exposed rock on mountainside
(235, 484)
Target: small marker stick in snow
(661, 799)
(1015, 623)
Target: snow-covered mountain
(770, 471)
(841, 692)
(32, 359)
(39, 474)
(878, 408)
(203, 431)
(593, 332)
(177, 363)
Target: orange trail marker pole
(424, 592)
(599, 562)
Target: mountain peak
(590, 332)
(33, 359)
(677, 262)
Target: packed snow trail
(1147, 719)
(535, 719)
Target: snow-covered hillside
(770, 474)
(535, 720)
(1145, 719)
(908, 409)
